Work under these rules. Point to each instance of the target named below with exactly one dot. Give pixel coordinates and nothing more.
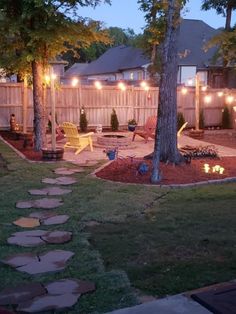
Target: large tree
(33, 32)
(168, 19)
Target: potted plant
(132, 125)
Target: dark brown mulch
(126, 170)
(28, 151)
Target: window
(131, 76)
(186, 75)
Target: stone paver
(32, 264)
(25, 222)
(55, 220)
(49, 218)
(49, 302)
(67, 171)
(45, 203)
(60, 180)
(22, 292)
(36, 297)
(39, 237)
(50, 191)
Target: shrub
(132, 122)
(226, 123)
(114, 121)
(201, 120)
(180, 120)
(83, 122)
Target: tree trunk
(166, 133)
(39, 127)
(225, 62)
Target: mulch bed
(28, 151)
(126, 170)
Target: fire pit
(114, 140)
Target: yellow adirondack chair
(74, 140)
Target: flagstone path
(37, 297)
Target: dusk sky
(126, 13)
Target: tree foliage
(226, 39)
(33, 32)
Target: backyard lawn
(130, 240)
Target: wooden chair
(74, 140)
(148, 129)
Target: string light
(229, 99)
(98, 85)
(74, 81)
(47, 79)
(220, 94)
(122, 86)
(184, 90)
(208, 99)
(54, 76)
(204, 88)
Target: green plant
(226, 121)
(180, 120)
(114, 121)
(201, 120)
(83, 122)
(132, 122)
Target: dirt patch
(126, 170)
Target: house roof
(192, 37)
(117, 59)
(76, 69)
(194, 34)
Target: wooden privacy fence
(134, 102)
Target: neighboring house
(130, 64)
(74, 71)
(118, 63)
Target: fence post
(24, 104)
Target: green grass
(163, 241)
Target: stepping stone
(51, 191)
(46, 218)
(35, 297)
(46, 203)
(55, 220)
(51, 261)
(18, 260)
(21, 293)
(60, 180)
(67, 171)
(57, 237)
(73, 286)
(39, 237)
(27, 222)
(49, 302)
(89, 163)
(43, 215)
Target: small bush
(201, 120)
(114, 121)
(180, 120)
(83, 122)
(226, 122)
